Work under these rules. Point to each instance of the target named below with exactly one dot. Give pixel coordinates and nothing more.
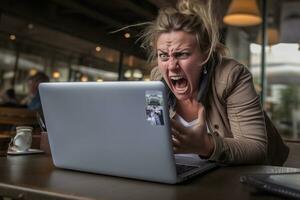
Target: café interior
(98, 41)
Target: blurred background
(72, 40)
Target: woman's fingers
(189, 140)
(175, 141)
(177, 126)
(177, 134)
(177, 145)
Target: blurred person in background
(8, 98)
(33, 101)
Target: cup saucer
(14, 151)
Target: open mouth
(179, 83)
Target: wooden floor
(294, 155)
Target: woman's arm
(246, 119)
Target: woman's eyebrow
(163, 51)
(182, 49)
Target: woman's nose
(173, 63)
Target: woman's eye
(163, 56)
(182, 55)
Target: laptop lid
(114, 128)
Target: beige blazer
(242, 134)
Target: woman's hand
(192, 140)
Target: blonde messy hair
(191, 16)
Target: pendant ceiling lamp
(272, 36)
(243, 13)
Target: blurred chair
(17, 116)
(293, 159)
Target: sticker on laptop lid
(154, 107)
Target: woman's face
(179, 60)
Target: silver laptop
(115, 128)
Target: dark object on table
(285, 184)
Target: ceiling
(90, 22)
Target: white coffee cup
(22, 140)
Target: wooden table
(35, 177)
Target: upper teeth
(176, 78)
